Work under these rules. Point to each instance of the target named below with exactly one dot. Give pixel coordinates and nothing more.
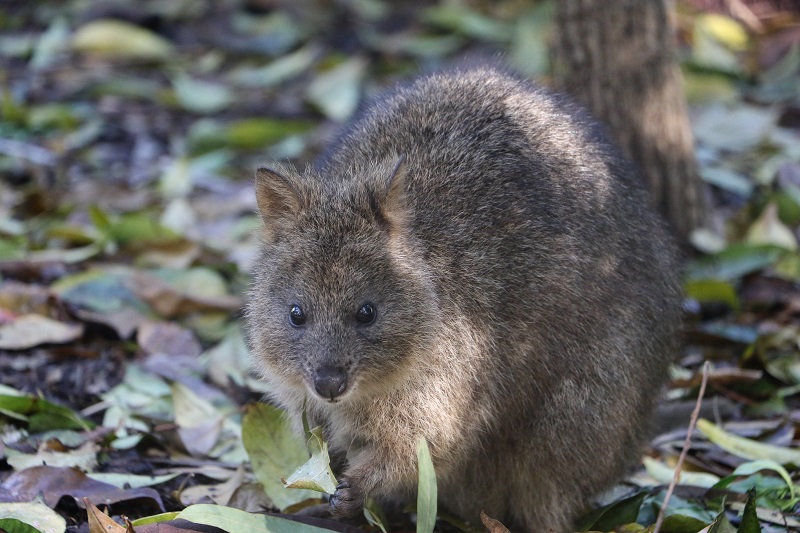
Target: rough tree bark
(617, 57)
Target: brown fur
(526, 298)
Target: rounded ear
(395, 204)
(278, 198)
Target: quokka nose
(330, 382)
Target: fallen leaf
(99, 522)
(54, 483)
(40, 414)
(663, 474)
(167, 338)
(118, 39)
(494, 526)
(38, 516)
(125, 480)
(315, 474)
(747, 448)
(200, 96)
(274, 449)
(768, 229)
(336, 92)
(734, 129)
(24, 298)
(27, 331)
(219, 493)
(174, 293)
(103, 295)
(85, 458)
(236, 521)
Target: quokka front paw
(348, 500)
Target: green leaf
(139, 228)
(747, 448)
(253, 133)
(133, 481)
(51, 45)
(245, 134)
(426, 494)
(15, 525)
(664, 474)
(336, 92)
(41, 414)
(374, 514)
(274, 450)
(458, 17)
(236, 521)
(678, 523)
(315, 474)
(712, 290)
(749, 522)
(615, 514)
(750, 468)
(118, 39)
(734, 262)
(280, 70)
(722, 524)
(155, 519)
(107, 295)
(200, 96)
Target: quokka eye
(366, 314)
(297, 316)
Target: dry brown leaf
(53, 483)
(99, 522)
(494, 526)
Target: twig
(686, 444)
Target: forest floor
(129, 135)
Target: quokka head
(341, 305)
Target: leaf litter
(127, 237)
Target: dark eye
(296, 316)
(366, 314)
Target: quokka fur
(472, 263)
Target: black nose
(330, 382)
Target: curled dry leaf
(99, 522)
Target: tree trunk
(617, 58)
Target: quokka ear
(278, 199)
(395, 209)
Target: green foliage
(426, 489)
(40, 414)
(274, 450)
(315, 474)
(236, 521)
